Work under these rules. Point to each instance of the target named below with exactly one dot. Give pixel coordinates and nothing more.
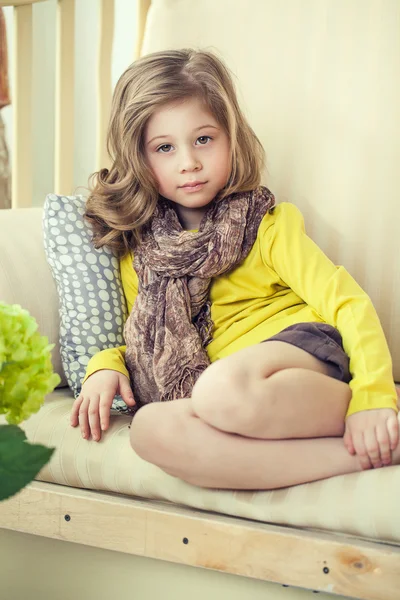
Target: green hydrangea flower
(26, 371)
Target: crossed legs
(265, 417)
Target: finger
(393, 431)
(74, 418)
(126, 392)
(383, 439)
(94, 417)
(104, 409)
(372, 446)
(83, 418)
(361, 451)
(348, 442)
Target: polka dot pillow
(91, 299)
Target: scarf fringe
(184, 387)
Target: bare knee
(156, 436)
(236, 401)
(223, 397)
(235, 379)
(218, 385)
(144, 435)
(152, 436)
(217, 381)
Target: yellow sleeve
(129, 279)
(114, 358)
(340, 302)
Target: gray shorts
(322, 341)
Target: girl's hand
(372, 435)
(91, 409)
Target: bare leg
(239, 396)
(171, 436)
(272, 391)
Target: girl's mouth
(193, 187)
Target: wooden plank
(64, 108)
(337, 564)
(104, 86)
(22, 170)
(143, 7)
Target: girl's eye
(162, 148)
(203, 139)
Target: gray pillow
(91, 299)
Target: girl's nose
(189, 162)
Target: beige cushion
(25, 277)
(364, 504)
(320, 84)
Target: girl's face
(188, 152)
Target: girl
(235, 314)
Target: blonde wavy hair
(124, 198)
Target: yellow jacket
(286, 279)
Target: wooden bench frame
(323, 562)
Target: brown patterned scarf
(170, 324)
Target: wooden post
(143, 7)
(104, 86)
(64, 110)
(21, 190)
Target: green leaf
(20, 461)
